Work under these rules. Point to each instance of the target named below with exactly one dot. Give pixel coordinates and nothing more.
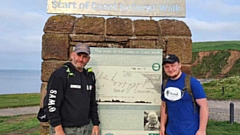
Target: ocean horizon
(18, 81)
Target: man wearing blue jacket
(70, 99)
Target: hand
(59, 130)
(59, 133)
(95, 130)
(162, 131)
(200, 132)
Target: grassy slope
(213, 64)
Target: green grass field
(19, 125)
(215, 46)
(18, 100)
(222, 128)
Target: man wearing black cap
(178, 115)
(70, 98)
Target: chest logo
(75, 86)
(173, 93)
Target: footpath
(218, 110)
(19, 111)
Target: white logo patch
(75, 86)
(52, 109)
(173, 93)
(89, 87)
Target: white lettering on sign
(174, 8)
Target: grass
(223, 89)
(235, 69)
(19, 125)
(19, 100)
(222, 128)
(211, 65)
(215, 64)
(215, 46)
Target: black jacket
(70, 99)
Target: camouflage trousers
(83, 130)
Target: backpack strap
(163, 87)
(68, 71)
(91, 74)
(164, 83)
(189, 90)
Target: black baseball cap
(170, 58)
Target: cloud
(21, 30)
(213, 20)
(22, 20)
(217, 7)
(21, 38)
(213, 30)
(214, 26)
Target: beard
(176, 76)
(80, 68)
(79, 65)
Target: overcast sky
(22, 22)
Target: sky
(22, 23)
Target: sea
(17, 81)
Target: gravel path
(19, 111)
(218, 110)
